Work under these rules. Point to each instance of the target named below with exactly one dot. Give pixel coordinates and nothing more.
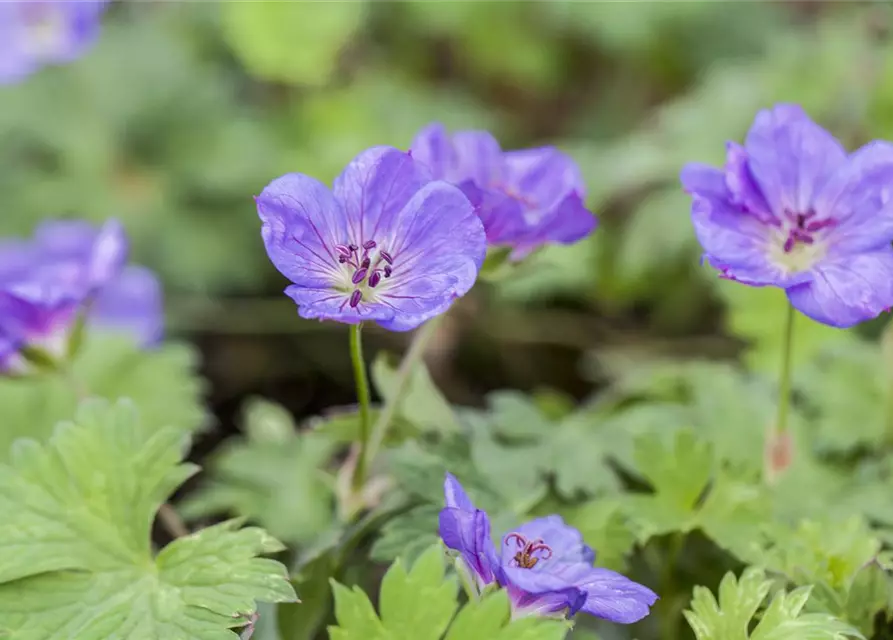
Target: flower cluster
(72, 272)
(525, 199)
(792, 209)
(544, 565)
(35, 33)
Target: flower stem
(172, 521)
(784, 385)
(359, 373)
(404, 373)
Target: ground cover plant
(435, 325)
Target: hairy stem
(784, 383)
(404, 373)
(359, 373)
(172, 521)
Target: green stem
(784, 385)
(359, 373)
(669, 597)
(404, 373)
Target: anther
(366, 262)
(386, 257)
(387, 271)
(369, 244)
(789, 244)
(343, 258)
(343, 250)
(818, 225)
(375, 278)
(355, 298)
(353, 247)
(358, 276)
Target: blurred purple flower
(544, 565)
(387, 244)
(792, 209)
(34, 33)
(525, 199)
(70, 267)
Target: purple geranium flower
(387, 244)
(34, 33)
(524, 198)
(792, 209)
(544, 565)
(69, 268)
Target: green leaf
(296, 42)
(161, 382)
(729, 617)
(77, 558)
(275, 477)
(420, 604)
(847, 385)
(605, 529)
(678, 475)
(407, 535)
(422, 403)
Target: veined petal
(567, 222)
(791, 157)
(433, 147)
(374, 188)
(331, 304)
(302, 223)
(454, 494)
(848, 290)
(478, 158)
(468, 532)
(132, 302)
(742, 187)
(614, 597)
(859, 196)
(438, 247)
(568, 600)
(543, 176)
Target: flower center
(526, 557)
(366, 269)
(797, 245)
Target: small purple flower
(524, 198)
(544, 565)
(386, 244)
(34, 33)
(70, 268)
(792, 209)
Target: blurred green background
(184, 110)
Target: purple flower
(792, 209)
(70, 268)
(386, 244)
(524, 198)
(544, 565)
(34, 33)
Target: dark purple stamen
(387, 271)
(353, 247)
(525, 557)
(369, 244)
(343, 250)
(366, 263)
(355, 298)
(375, 278)
(358, 276)
(803, 229)
(343, 258)
(386, 257)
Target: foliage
(420, 603)
(728, 618)
(77, 560)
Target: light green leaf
(296, 42)
(161, 382)
(729, 618)
(422, 404)
(407, 535)
(275, 477)
(420, 604)
(605, 529)
(77, 558)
